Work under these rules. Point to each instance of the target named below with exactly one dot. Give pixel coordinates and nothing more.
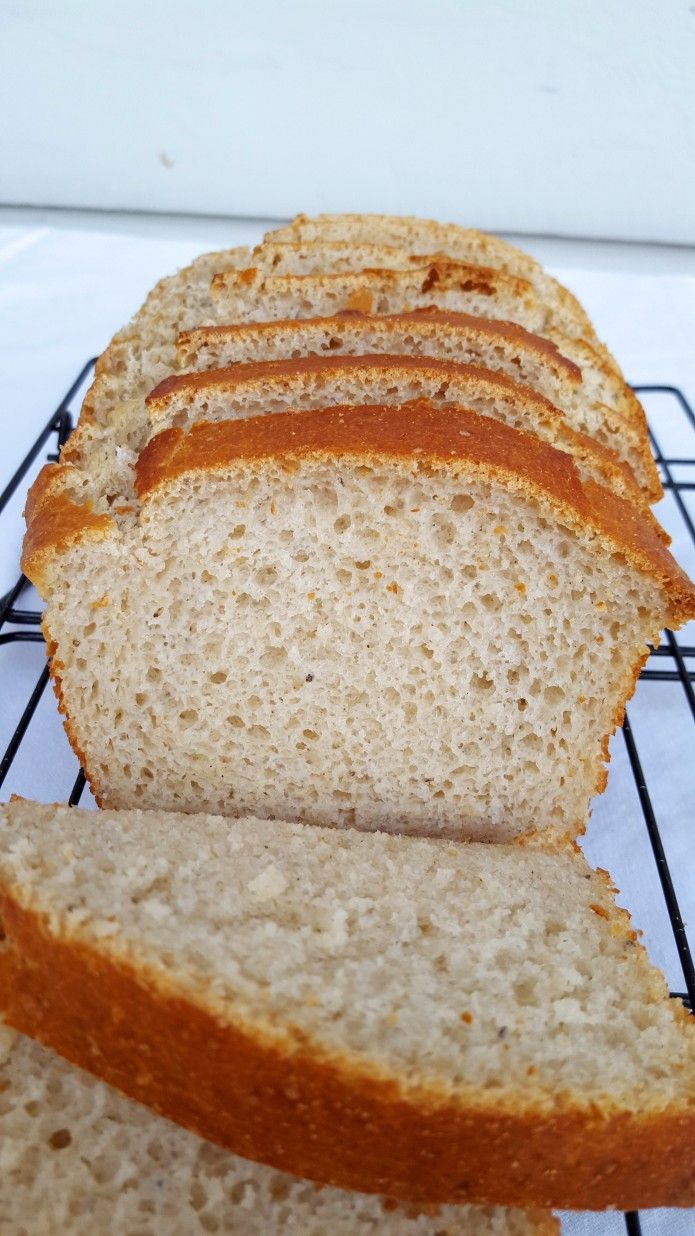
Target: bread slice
(426, 236)
(79, 1158)
(566, 318)
(330, 256)
(252, 295)
(501, 346)
(436, 1022)
(321, 381)
(378, 616)
(615, 456)
(460, 337)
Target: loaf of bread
(79, 1159)
(379, 616)
(427, 236)
(579, 394)
(114, 425)
(414, 1018)
(255, 296)
(354, 530)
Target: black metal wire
(632, 1223)
(59, 425)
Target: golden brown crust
(281, 1100)
(396, 323)
(417, 434)
(54, 523)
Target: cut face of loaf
(381, 617)
(426, 236)
(318, 381)
(79, 1158)
(406, 1017)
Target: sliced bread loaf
(378, 616)
(431, 1021)
(254, 296)
(427, 236)
(586, 432)
(78, 1158)
(503, 347)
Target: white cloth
(68, 282)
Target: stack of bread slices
(355, 532)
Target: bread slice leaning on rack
(428, 1021)
(320, 381)
(79, 1158)
(372, 616)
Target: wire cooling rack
(673, 662)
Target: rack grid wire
(18, 625)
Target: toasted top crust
(421, 321)
(417, 435)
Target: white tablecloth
(68, 281)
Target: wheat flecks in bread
(78, 1158)
(416, 1018)
(402, 620)
(427, 236)
(319, 381)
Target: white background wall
(569, 117)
